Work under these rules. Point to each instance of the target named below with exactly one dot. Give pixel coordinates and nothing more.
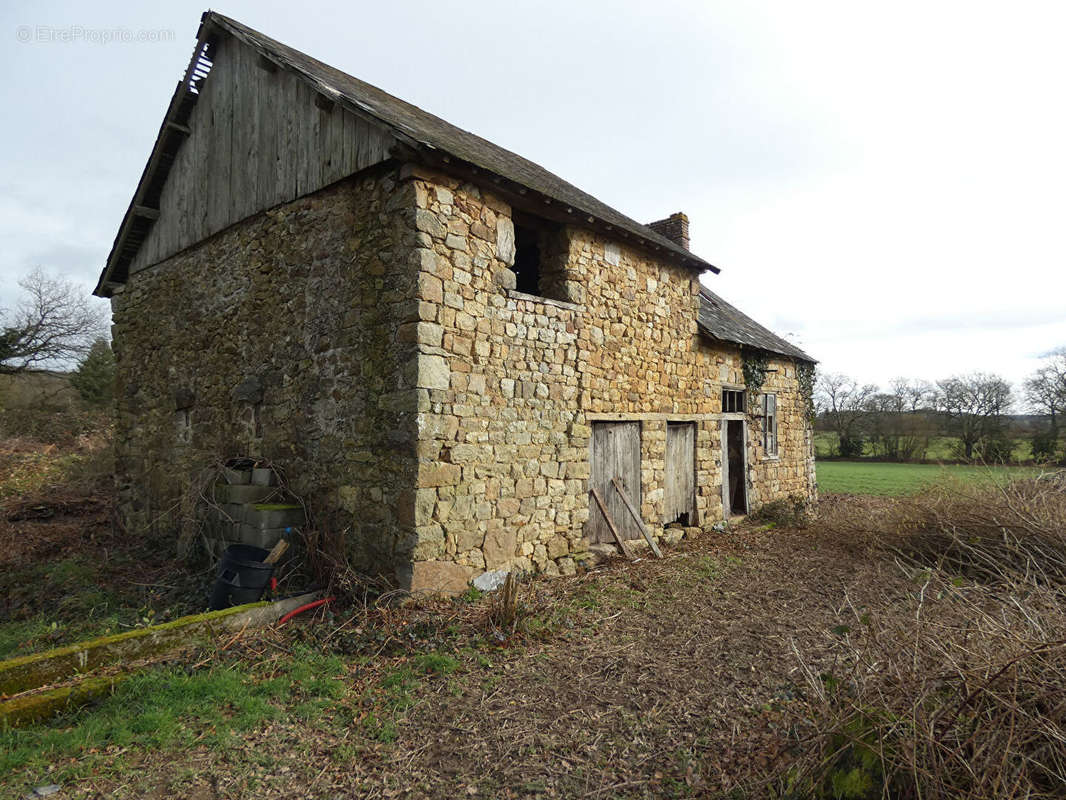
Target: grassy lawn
(881, 478)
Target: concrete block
(245, 493)
(274, 516)
(265, 538)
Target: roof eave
(550, 207)
(796, 355)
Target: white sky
(884, 183)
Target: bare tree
(1045, 392)
(897, 424)
(843, 403)
(53, 325)
(1045, 389)
(974, 406)
(913, 395)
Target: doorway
(734, 468)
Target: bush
(1045, 445)
(850, 446)
(791, 512)
(998, 449)
(94, 379)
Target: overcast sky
(883, 183)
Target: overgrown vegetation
(756, 366)
(962, 698)
(793, 511)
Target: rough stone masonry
(369, 340)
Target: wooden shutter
(770, 424)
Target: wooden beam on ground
(640, 523)
(610, 524)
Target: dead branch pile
(966, 698)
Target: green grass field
(858, 477)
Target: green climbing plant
(756, 366)
(805, 378)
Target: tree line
(975, 411)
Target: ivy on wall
(756, 366)
(805, 379)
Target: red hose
(303, 608)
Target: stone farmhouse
(444, 346)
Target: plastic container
(242, 576)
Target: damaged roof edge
(424, 133)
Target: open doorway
(734, 468)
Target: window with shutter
(770, 424)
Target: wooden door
(615, 453)
(680, 491)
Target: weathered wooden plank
(636, 516)
(267, 131)
(303, 109)
(195, 183)
(615, 453)
(250, 78)
(287, 140)
(679, 493)
(219, 88)
(237, 122)
(327, 116)
(312, 158)
(610, 524)
(254, 139)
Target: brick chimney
(674, 228)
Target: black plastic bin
(242, 576)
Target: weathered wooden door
(734, 468)
(680, 491)
(615, 453)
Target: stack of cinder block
(250, 508)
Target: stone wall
(369, 341)
(504, 435)
(286, 337)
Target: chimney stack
(674, 228)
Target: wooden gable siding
(257, 138)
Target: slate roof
(425, 130)
(720, 320)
